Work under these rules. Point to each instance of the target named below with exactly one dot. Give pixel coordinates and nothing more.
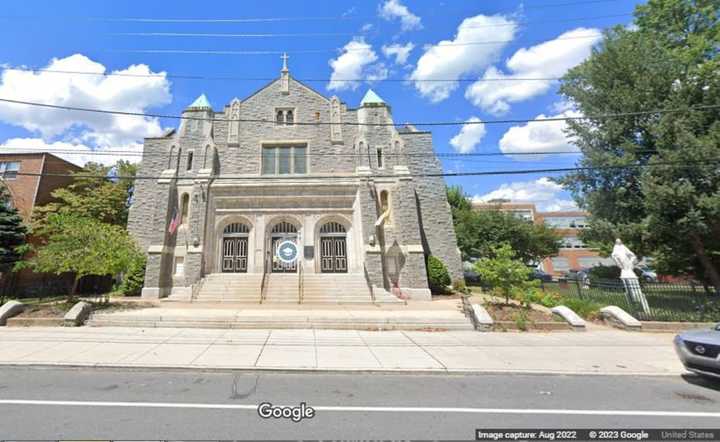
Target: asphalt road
(82, 404)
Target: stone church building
(344, 184)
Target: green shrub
(438, 276)
(134, 277)
(522, 319)
(604, 272)
(459, 286)
(584, 308)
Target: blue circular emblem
(287, 252)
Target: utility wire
(687, 164)
(346, 123)
(326, 154)
(313, 51)
(236, 78)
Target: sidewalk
(601, 351)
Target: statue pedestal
(634, 292)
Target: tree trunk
(710, 271)
(73, 290)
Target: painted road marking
(656, 413)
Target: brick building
(29, 181)
(289, 164)
(573, 254)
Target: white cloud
(550, 59)
(393, 9)
(355, 62)
(127, 93)
(546, 194)
(469, 136)
(400, 52)
(76, 153)
(538, 137)
(449, 59)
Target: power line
(236, 78)
(339, 154)
(313, 51)
(686, 164)
(345, 123)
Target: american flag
(175, 221)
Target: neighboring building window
(189, 161)
(572, 242)
(179, 265)
(379, 158)
(184, 209)
(566, 222)
(9, 169)
(284, 160)
(284, 117)
(592, 261)
(560, 264)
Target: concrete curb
(576, 322)
(78, 314)
(620, 318)
(481, 318)
(10, 309)
(379, 371)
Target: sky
(232, 48)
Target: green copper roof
(201, 101)
(371, 98)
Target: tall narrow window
(280, 118)
(289, 117)
(284, 160)
(379, 158)
(189, 161)
(184, 209)
(384, 202)
(268, 161)
(299, 160)
(177, 165)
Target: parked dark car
(541, 275)
(699, 351)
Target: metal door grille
(333, 255)
(235, 251)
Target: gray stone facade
(367, 179)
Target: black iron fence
(665, 301)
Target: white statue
(625, 259)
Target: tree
(478, 232)
(105, 199)
(12, 234)
(666, 203)
(503, 271)
(83, 246)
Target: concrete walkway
(593, 352)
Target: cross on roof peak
(284, 58)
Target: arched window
(279, 118)
(289, 117)
(205, 154)
(189, 161)
(236, 229)
(397, 146)
(185, 204)
(379, 158)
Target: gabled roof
(371, 98)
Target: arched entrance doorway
(333, 248)
(280, 232)
(235, 248)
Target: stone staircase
(341, 288)
(230, 287)
(282, 288)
